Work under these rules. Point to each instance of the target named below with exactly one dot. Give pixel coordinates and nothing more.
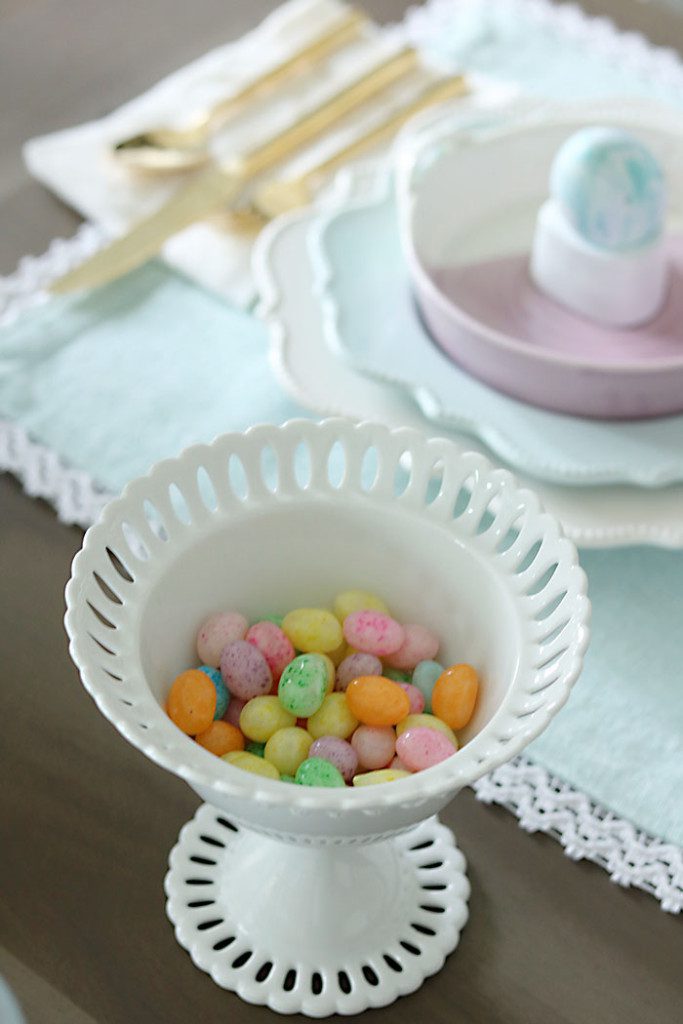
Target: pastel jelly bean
(350, 601)
(396, 675)
(416, 698)
(339, 653)
(303, 685)
(375, 700)
(317, 772)
(383, 775)
(221, 738)
(255, 748)
(338, 752)
(375, 746)
(250, 763)
(234, 711)
(356, 665)
(419, 644)
(373, 632)
(313, 629)
(287, 778)
(429, 722)
(398, 763)
(333, 718)
(425, 674)
(274, 645)
(277, 619)
(331, 671)
(245, 670)
(222, 695)
(263, 716)
(287, 748)
(191, 702)
(422, 748)
(217, 632)
(455, 694)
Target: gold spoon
(165, 150)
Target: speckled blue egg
(611, 188)
(222, 695)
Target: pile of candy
(324, 699)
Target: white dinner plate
(592, 516)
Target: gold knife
(220, 186)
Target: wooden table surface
(88, 821)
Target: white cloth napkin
(77, 164)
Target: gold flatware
(174, 149)
(219, 186)
(280, 196)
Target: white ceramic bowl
(276, 550)
(281, 517)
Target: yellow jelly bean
(333, 718)
(381, 775)
(331, 671)
(287, 748)
(262, 716)
(313, 630)
(426, 722)
(251, 763)
(357, 601)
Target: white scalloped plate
(373, 323)
(591, 516)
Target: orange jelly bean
(374, 700)
(221, 738)
(191, 702)
(455, 694)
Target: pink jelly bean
(234, 711)
(373, 632)
(217, 632)
(245, 670)
(375, 745)
(415, 696)
(274, 645)
(356, 665)
(338, 752)
(419, 644)
(422, 748)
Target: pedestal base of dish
(316, 929)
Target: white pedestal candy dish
(311, 918)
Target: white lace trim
(540, 801)
(587, 831)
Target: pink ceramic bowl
(468, 202)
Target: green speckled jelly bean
(255, 748)
(425, 674)
(277, 619)
(317, 772)
(287, 778)
(396, 675)
(303, 685)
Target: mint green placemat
(142, 368)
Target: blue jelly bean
(222, 695)
(425, 674)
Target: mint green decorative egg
(611, 188)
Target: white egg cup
(617, 289)
(312, 900)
